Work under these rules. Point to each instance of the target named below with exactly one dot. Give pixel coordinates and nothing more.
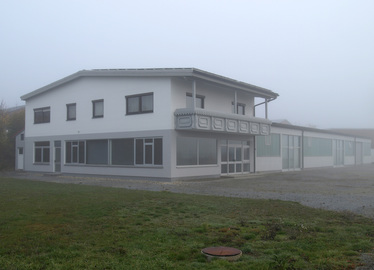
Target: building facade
(166, 124)
(291, 148)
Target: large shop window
(367, 149)
(75, 152)
(42, 115)
(268, 146)
(317, 147)
(97, 152)
(137, 104)
(131, 151)
(42, 152)
(123, 152)
(196, 151)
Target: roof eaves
(53, 85)
(310, 129)
(158, 72)
(185, 72)
(261, 92)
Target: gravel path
(340, 189)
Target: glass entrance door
(234, 157)
(291, 148)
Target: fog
(317, 55)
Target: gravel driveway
(340, 189)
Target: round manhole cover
(227, 253)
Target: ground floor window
(367, 149)
(97, 152)
(268, 146)
(130, 151)
(148, 151)
(41, 151)
(317, 147)
(75, 152)
(196, 151)
(122, 152)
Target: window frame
(195, 150)
(140, 103)
(45, 115)
(201, 97)
(92, 152)
(94, 113)
(118, 157)
(70, 152)
(69, 106)
(42, 146)
(141, 154)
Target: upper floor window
(142, 103)
(71, 111)
(240, 108)
(42, 115)
(98, 108)
(199, 101)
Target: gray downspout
(302, 149)
(254, 154)
(235, 103)
(194, 94)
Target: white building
(167, 124)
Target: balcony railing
(202, 120)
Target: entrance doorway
(20, 158)
(337, 152)
(235, 157)
(291, 152)
(359, 153)
(57, 159)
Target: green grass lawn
(60, 226)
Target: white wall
(349, 160)
(313, 162)
(264, 164)
(113, 90)
(217, 99)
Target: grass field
(60, 226)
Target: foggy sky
(317, 55)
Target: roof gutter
(266, 106)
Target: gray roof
(159, 72)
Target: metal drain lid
(227, 253)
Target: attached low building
(166, 124)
